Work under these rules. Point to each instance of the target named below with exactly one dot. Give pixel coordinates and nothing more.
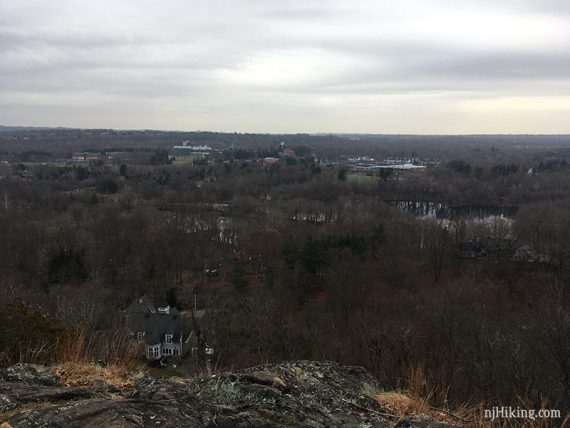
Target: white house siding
(172, 349)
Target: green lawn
(361, 179)
(185, 160)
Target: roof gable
(142, 305)
(155, 326)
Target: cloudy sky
(382, 66)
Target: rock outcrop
(300, 393)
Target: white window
(168, 338)
(154, 352)
(140, 334)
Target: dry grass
(83, 374)
(419, 395)
(74, 346)
(76, 356)
(77, 374)
(417, 399)
(115, 349)
(401, 404)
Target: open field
(361, 179)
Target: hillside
(301, 393)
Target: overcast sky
(379, 66)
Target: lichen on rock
(297, 393)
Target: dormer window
(164, 309)
(140, 334)
(168, 338)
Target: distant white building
(84, 157)
(187, 150)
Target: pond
(440, 210)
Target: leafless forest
(458, 272)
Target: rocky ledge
(300, 393)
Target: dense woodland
(295, 260)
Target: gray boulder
(299, 393)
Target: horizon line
(316, 133)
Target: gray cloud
(258, 65)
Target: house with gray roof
(159, 330)
(472, 249)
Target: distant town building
(289, 153)
(524, 253)
(529, 254)
(401, 164)
(187, 150)
(270, 161)
(85, 157)
(118, 157)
